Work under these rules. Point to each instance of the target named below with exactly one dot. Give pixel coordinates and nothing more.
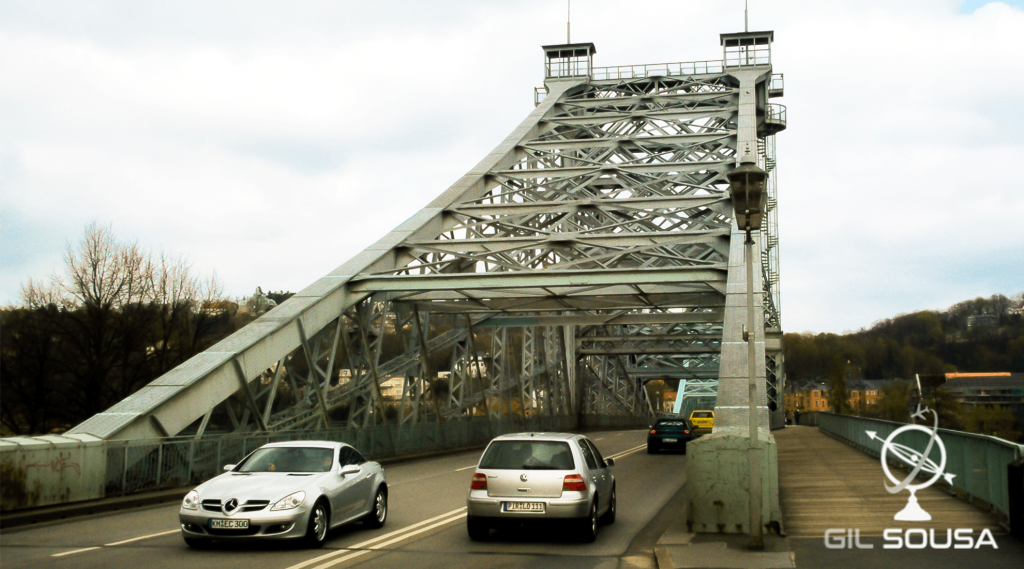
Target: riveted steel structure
(587, 254)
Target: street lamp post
(746, 188)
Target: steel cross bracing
(584, 256)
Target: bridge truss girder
(584, 256)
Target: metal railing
(748, 55)
(978, 461)
(144, 465)
(775, 113)
(539, 94)
(567, 67)
(654, 69)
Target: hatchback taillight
(653, 432)
(479, 482)
(573, 483)
(686, 432)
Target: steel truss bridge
(585, 256)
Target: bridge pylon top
(568, 60)
(741, 49)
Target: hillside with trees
(974, 336)
(980, 335)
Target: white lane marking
(374, 540)
(142, 537)
(465, 468)
(630, 451)
(430, 527)
(600, 439)
(74, 551)
(379, 546)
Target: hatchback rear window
(702, 415)
(671, 424)
(528, 455)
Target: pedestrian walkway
(824, 483)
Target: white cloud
(271, 143)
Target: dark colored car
(669, 434)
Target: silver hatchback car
(541, 476)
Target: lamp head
(747, 190)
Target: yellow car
(702, 422)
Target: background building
(974, 390)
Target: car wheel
(609, 516)
(379, 514)
(478, 530)
(651, 449)
(316, 529)
(196, 543)
(588, 525)
(684, 448)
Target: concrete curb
(103, 505)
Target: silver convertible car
(291, 490)
(529, 477)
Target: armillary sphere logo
(913, 512)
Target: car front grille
(249, 506)
(211, 505)
(255, 505)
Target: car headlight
(191, 501)
(290, 501)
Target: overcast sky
(272, 141)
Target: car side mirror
(229, 467)
(610, 461)
(349, 469)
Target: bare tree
(117, 318)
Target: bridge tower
(591, 252)
(721, 472)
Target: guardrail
(979, 462)
(125, 467)
(653, 69)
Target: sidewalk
(826, 484)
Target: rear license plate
(537, 507)
(229, 524)
(670, 440)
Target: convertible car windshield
(288, 459)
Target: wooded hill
(980, 335)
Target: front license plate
(671, 440)
(524, 507)
(229, 524)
